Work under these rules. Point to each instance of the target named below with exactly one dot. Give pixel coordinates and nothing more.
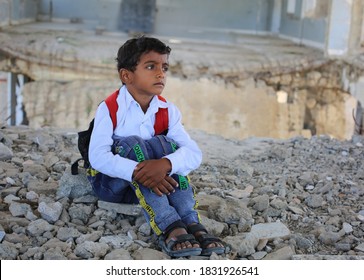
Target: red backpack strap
(161, 119)
(113, 106)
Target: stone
(89, 249)
(50, 211)
(127, 209)
(270, 230)
(5, 152)
(118, 254)
(285, 253)
(266, 199)
(149, 254)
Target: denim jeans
(160, 211)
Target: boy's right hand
(167, 186)
(153, 175)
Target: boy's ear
(125, 76)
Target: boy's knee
(161, 145)
(132, 147)
(134, 139)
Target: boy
(136, 166)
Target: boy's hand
(153, 174)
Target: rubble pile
(266, 199)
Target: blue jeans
(160, 211)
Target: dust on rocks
(266, 199)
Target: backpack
(160, 127)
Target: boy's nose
(160, 73)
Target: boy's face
(149, 77)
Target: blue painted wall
(302, 29)
(18, 11)
(210, 19)
(191, 18)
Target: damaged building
(265, 68)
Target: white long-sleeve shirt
(131, 120)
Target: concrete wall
(203, 19)
(92, 12)
(331, 26)
(173, 17)
(18, 11)
(307, 30)
(309, 102)
(207, 18)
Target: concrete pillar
(15, 98)
(276, 17)
(12, 97)
(3, 97)
(344, 27)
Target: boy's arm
(100, 155)
(188, 156)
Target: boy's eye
(165, 68)
(150, 67)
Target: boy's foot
(176, 242)
(174, 234)
(208, 242)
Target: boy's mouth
(159, 84)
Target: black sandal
(168, 247)
(205, 240)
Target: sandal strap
(180, 239)
(196, 228)
(206, 239)
(173, 226)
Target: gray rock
(330, 238)
(232, 211)
(91, 250)
(118, 254)
(243, 244)
(65, 234)
(270, 230)
(285, 253)
(19, 209)
(5, 152)
(8, 251)
(50, 211)
(258, 255)
(94, 236)
(145, 229)
(149, 254)
(347, 228)
(2, 233)
(213, 227)
(80, 212)
(260, 203)
(116, 241)
(360, 247)
(314, 201)
(54, 254)
(127, 209)
(38, 227)
(56, 243)
(303, 242)
(74, 186)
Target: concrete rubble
(266, 199)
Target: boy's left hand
(153, 174)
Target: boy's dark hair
(130, 52)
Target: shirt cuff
(129, 168)
(173, 161)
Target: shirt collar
(154, 104)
